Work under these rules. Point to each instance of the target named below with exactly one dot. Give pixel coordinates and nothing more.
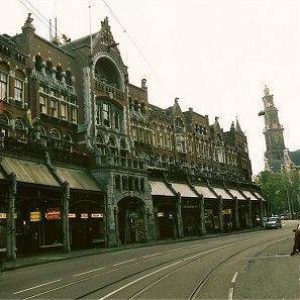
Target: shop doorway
(131, 220)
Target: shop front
(86, 208)
(190, 209)
(164, 206)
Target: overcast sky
(215, 56)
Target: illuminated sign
(72, 216)
(97, 216)
(84, 216)
(52, 215)
(35, 216)
(160, 214)
(2, 215)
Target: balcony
(108, 89)
(53, 82)
(121, 162)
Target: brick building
(86, 160)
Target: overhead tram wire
(137, 48)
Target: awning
(159, 188)
(78, 179)
(184, 190)
(248, 194)
(259, 196)
(222, 193)
(205, 192)
(28, 171)
(237, 194)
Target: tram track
(182, 259)
(162, 267)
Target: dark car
(273, 222)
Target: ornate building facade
(86, 160)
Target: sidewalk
(31, 260)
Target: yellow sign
(72, 216)
(35, 216)
(84, 216)
(97, 216)
(2, 215)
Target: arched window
(58, 73)
(113, 145)
(49, 68)
(38, 63)
(68, 142)
(42, 134)
(55, 138)
(4, 124)
(4, 69)
(69, 78)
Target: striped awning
(28, 171)
(237, 194)
(259, 196)
(222, 193)
(205, 192)
(159, 188)
(184, 190)
(78, 179)
(249, 195)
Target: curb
(9, 266)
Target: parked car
(273, 222)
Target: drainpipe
(11, 222)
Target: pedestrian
(296, 246)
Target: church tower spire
(273, 132)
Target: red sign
(52, 215)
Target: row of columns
(249, 222)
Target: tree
(280, 190)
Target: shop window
(18, 90)
(43, 104)
(3, 86)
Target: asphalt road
(244, 265)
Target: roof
(29, 171)
(205, 192)
(78, 179)
(159, 188)
(237, 194)
(248, 194)
(295, 157)
(222, 193)
(184, 190)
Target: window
(74, 114)
(106, 114)
(118, 182)
(3, 86)
(18, 90)
(117, 120)
(53, 108)
(43, 104)
(64, 111)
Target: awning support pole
(236, 214)
(11, 222)
(220, 212)
(65, 218)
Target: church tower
(273, 133)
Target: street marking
(234, 277)
(139, 279)
(230, 294)
(37, 286)
(124, 262)
(152, 255)
(83, 273)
